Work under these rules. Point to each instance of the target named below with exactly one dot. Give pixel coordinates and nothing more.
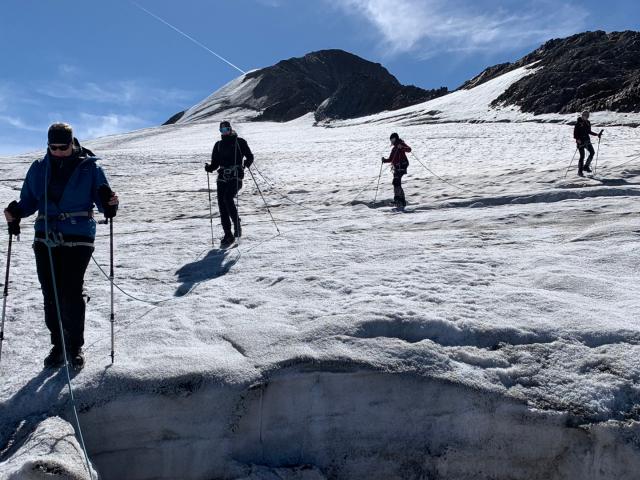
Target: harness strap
(64, 216)
(56, 239)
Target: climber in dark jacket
(399, 164)
(230, 155)
(581, 134)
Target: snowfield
(489, 332)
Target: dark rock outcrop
(333, 84)
(590, 71)
(174, 118)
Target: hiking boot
(227, 240)
(55, 358)
(77, 359)
(580, 174)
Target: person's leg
(592, 152)
(43, 268)
(230, 204)
(72, 304)
(581, 159)
(222, 207)
(398, 193)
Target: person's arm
(246, 152)
(104, 198)
(404, 147)
(391, 156)
(28, 203)
(215, 160)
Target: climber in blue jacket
(63, 187)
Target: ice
(489, 332)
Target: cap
(60, 133)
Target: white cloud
(93, 126)
(435, 26)
(18, 123)
(128, 92)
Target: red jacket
(398, 154)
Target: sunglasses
(225, 129)
(53, 148)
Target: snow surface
(235, 99)
(488, 332)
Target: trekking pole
(5, 294)
(377, 185)
(265, 202)
(210, 209)
(570, 163)
(595, 167)
(111, 276)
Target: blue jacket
(80, 195)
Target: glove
(14, 227)
(384, 159)
(248, 163)
(16, 212)
(105, 193)
(208, 167)
(600, 134)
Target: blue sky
(108, 67)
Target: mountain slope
(333, 84)
(594, 71)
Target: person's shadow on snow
(216, 264)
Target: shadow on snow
(215, 264)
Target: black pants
(585, 146)
(227, 190)
(398, 192)
(69, 264)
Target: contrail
(187, 36)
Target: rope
(286, 197)
(59, 314)
(263, 199)
(361, 191)
(626, 162)
(462, 189)
(155, 303)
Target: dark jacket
(69, 190)
(582, 130)
(398, 156)
(227, 156)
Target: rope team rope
(462, 189)
(48, 242)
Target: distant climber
(227, 157)
(581, 133)
(399, 165)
